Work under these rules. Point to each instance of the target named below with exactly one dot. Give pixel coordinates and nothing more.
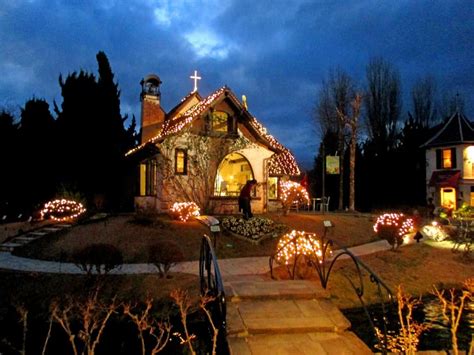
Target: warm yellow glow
(447, 159)
(293, 191)
(299, 243)
(180, 161)
(448, 198)
(62, 210)
(142, 179)
(184, 210)
(470, 153)
(232, 174)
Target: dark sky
(275, 52)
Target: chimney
(153, 115)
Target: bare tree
(423, 98)
(353, 123)
(383, 103)
(450, 103)
(335, 96)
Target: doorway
(448, 198)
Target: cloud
(207, 44)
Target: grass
(134, 240)
(418, 267)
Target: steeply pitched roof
(456, 130)
(281, 163)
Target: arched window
(234, 171)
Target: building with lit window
(450, 163)
(204, 150)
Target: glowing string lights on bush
(299, 243)
(399, 221)
(184, 210)
(62, 210)
(293, 191)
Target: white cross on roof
(195, 77)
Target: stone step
(288, 289)
(38, 233)
(284, 316)
(50, 229)
(9, 246)
(63, 226)
(305, 343)
(23, 240)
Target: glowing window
(148, 180)
(272, 187)
(234, 171)
(447, 159)
(180, 161)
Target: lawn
(417, 267)
(134, 240)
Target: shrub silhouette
(163, 255)
(100, 257)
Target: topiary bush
(164, 255)
(99, 257)
(393, 227)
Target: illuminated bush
(62, 210)
(184, 210)
(393, 227)
(292, 191)
(300, 246)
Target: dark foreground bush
(99, 257)
(164, 255)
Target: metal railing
(211, 285)
(323, 264)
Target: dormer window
(220, 121)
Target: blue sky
(275, 52)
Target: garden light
(291, 191)
(62, 210)
(184, 210)
(297, 243)
(403, 224)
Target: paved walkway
(237, 266)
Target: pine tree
(36, 173)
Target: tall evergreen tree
(8, 161)
(36, 151)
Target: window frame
(184, 170)
(148, 177)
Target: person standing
(244, 199)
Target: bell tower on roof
(152, 114)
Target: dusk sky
(275, 52)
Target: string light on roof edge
(282, 163)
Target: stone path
(285, 317)
(237, 266)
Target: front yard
(134, 239)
